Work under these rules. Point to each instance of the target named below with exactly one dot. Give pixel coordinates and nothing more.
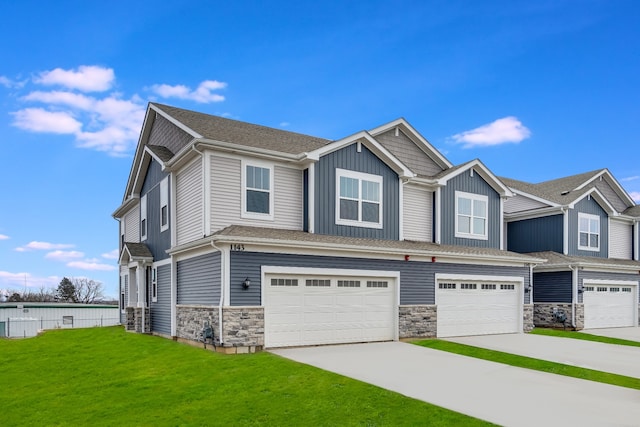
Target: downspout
(220, 304)
(531, 284)
(574, 294)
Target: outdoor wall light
(246, 283)
(580, 289)
(527, 289)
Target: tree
(67, 291)
(87, 291)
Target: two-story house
(274, 238)
(586, 227)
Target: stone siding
(191, 320)
(134, 320)
(243, 326)
(543, 315)
(527, 318)
(417, 321)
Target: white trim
(595, 282)
(438, 216)
(636, 236)
(502, 223)
(311, 194)
(472, 197)
(173, 220)
(589, 217)
(174, 121)
(243, 185)
(483, 172)
(164, 201)
(599, 199)
(360, 176)
(154, 283)
(617, 188)
(206, 188)
(401, 209)
(565, 234)
(143, 217)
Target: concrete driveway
(491, 391)
(631, 334)
(617, 359)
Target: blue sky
(535, 89)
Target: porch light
(527, 289)
(246, 283)
(580, 289)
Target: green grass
(583, 336)
(105, 376)
(531, 363)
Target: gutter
(222, 287)
(574, 294)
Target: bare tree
(31, 295)
(87, 291)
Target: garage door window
(377, 284)
(348, 283)
(508, 287)
(318, 282)
(626, 289)
(468, 286)
(284, 282)
(447, 286)
(488, 286)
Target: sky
(536, 89)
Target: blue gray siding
(552, 287)
(593, 208)
(158, 242)
(325, 193)
(603, 275)
(199, 280)
(476, 185)
(161, 310)
(536, 235)
(417, 279)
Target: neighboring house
(275, 238)
(26, 319)
(586, 227)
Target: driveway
(491, 391)
(617, 359)
(632, 334)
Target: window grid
(588, 232)
(468, 286)
(318, 282)
(446, 285)
(359, 199)
(377, 284)
(507, 287)
(348, 283)
(488, 286)
(284, 282)
(471, 215)
(257, 195)
(602, 289)
(626, 289)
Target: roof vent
(564, 193)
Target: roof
(560, 191)
(137, 250)
(163, 153)
(633, 211)
(302, 238)
(236, 132)
(561, 260)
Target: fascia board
(535, 198)
(144, 136)
(143, 165)
(152, 154)
(599, 198)
(531, 214)
(124, 207)
(485, 173)
(614, 184)
(416, 137)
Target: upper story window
(164, 204)
(143, 217)
(471, 215)
(358, 199)
(257, 187)
(588, 232)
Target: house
(273, 238)
(586, 227)
(26, 319)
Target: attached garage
(324, 306)
(478, 305)
(610, 304)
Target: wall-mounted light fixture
(580, 289)
(246, 283)
(527, 289)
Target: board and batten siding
(552, 287)
(161, 309)
(418, 213)
(189, 203)
(132, 225)
(157, 241)
(475, 185)
(199, 280)
(589, 206)
(620, 240)
(536, 234)
(520, 203)
(403, 148)
(365, 161)
(417, 279)
(226, 196)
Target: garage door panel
(609, 306)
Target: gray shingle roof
(633, 211)
(163, 153)
(241, 133)
(138, 250)
(555, 258)
(413, 247)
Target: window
(488, 286)
(348, 283)
(164, 204)
(154, 284)
(471, 215)
(358, 199)
(284, 282)
(468, 286)
(589, 232)
(319, 282)
(257, 201)
(67, 320)
(507, 287)
(143, 217)
(377, 284)
(446, 285)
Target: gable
(611, 195)
(522, 203)
(408, 152)
(166, 134)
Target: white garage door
(467, 307)
(609, 306)
(314, 309)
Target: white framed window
(164, 204)
(472, 213)
(588, 232)
(154, 284)
(143, 217)
(257, 191)
(358, 199)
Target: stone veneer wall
(543, 315)
(134, 320)
(417, 321)
(527, 318)
(191, 320)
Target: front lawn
(583, 336)
(105, 376)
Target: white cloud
(114, 254)
(91, 265)
(70, 99)
(202, 94)
(504, 130)
(635, 195)
(8, 83)
(40, 120)
(630, 178)
(64, 255)
(87, 78)
(10, 280)
(284, 124)
(4, 237)
(45, 246)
